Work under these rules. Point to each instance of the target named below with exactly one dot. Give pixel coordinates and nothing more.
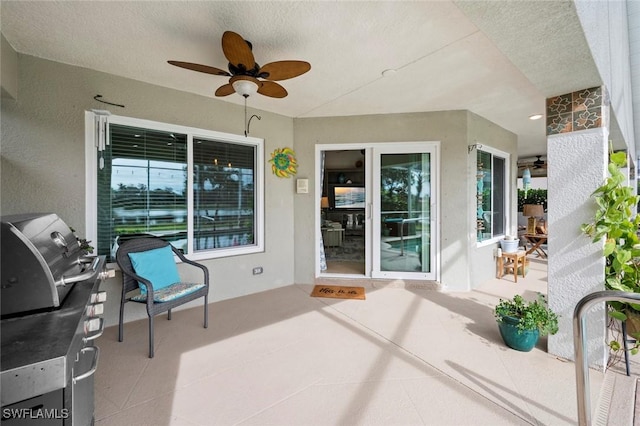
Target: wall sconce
(532, 211)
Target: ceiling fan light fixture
(245, 88)
(243, 66)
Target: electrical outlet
(257, 270)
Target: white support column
(577, 166)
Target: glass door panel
(404, 220)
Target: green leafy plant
(83, 243)
(532, 314)
(616, 222)
(533, 196)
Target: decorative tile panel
(559, 105)
(559, 123)
(581, 110)
(587, 99)
(588, 119)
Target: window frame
(507, 191)
(96, 135)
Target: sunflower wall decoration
(283, 162)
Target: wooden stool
(513, 260)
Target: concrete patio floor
(404, 356)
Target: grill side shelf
(37, 351)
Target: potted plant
(521, 322)
(616, 222)
(509, 244)
(85, 245)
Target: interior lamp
(532, 211)
(324, 205)
(245, 88)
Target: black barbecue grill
(51, 314)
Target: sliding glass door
(404, 216)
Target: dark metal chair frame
(130, 282)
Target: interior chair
(148, 264)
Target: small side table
(515, 260)
(536, 241)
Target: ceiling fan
(247, 77)
(539, 163)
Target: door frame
(318, 194)
(369, 181)
(433, 148)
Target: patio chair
(148, 264)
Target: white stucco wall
(43, 161)
(455, 130)
(482, 262)
(605, 27)
(575, 265)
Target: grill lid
(40, 257)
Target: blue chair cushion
(170, 293)
(157, 266)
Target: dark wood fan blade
(237, 51)
(225, 90)
(200, 68)
(272, 89)
(282, 70)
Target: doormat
(338, 292)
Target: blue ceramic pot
(519, 340)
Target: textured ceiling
(498, 59)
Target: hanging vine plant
(616, 222)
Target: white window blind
(142, 187)
(224, 182)
(200, 190)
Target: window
(491, 194)
(223, 182)
(198, 189)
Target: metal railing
(402, 222)
(579, 343)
